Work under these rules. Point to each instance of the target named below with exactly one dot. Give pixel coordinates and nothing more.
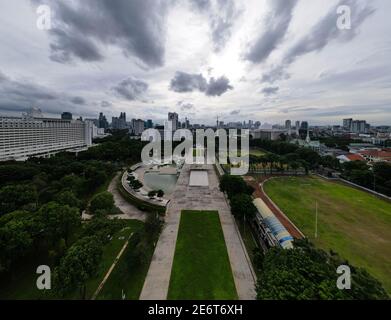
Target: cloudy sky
(266, 60)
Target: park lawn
(110, 252)
(248, 239)
(130, 283)
(353, 223)
(257, 152)
(201, 268)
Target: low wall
(136, 201)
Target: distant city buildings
(356, 126)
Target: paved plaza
(187, 197)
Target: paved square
(199, 178)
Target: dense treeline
(286, 156)
(118, 147)
(377, 177)
(41, 201)
(307, 273)
(239, 195)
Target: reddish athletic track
(259, 193)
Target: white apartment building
(21, 138)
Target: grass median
(201, 268)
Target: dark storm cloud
(218, 87)
(324, 32)
(67, 45)
(78, 100)
(277, 23)
(105, 104)
(185, 106)
(137, 27)
(276, 73)
(222, 16)
(222, 23)
(201, 5)
(234, 112)
(131, 89)
(186, 82)
(268, 91)
(20, 95)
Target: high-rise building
(103, 123)
(359, 126)
(119, 123)
(304, 125)
(173, 117)
(288, 126)
(297, 127)
(66, 116)
(187, 123)
(149, 124)
(137, 126)
(347, 124)
(27, 136)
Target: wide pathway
(129, 211)
(197, 198)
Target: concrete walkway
(197, 198)
(129, 210)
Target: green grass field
(353, 223)
(122, 280)
(201, 268)
(257, 152)
(110, 252)
(22, 282)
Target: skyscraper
(137, 126)
(173, 117)
(347, 124)
(103, 123)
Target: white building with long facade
(27, 136)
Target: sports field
(353, 223)
(201, 268)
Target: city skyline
(244, 60)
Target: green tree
(102, 201)
(15, 197)
(67, 197)
(242, 206)
(58, 221)
(78, 265)
(233, 185)
(160, 193)
(15, 241)
(304, 273)
(152, 194)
